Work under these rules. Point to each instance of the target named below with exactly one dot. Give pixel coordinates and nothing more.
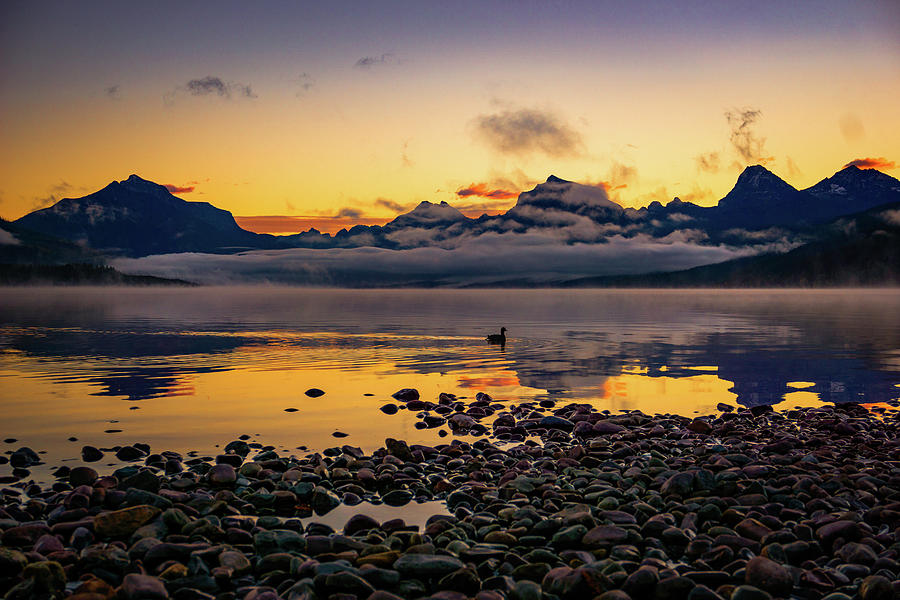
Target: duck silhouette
(498, 338)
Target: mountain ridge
(137, 217)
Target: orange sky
(357, 116)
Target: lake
(191, 368)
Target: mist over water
(186, 369)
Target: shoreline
(562, 501)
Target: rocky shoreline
(544, 502)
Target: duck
(498, 338)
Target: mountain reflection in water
(207, 364)
(141, 344)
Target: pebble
(743, 505)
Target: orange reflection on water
(504, 380)
(636, 390)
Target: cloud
(113, 92)
(749, 146)
(394, 206)
(349, 213)
(8, 239)
(851, 127)
(212, 86)
(891, 216)
(696, 194)
(871, 163)
(55, 193)
(207, 86)
(527, 131)
(792, 168)
(708, 162)
(482, 190)
(621, 175)
(305, 82)
(533, 256)
(178, 189)
(367, 62)
(404, 155)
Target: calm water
(186, 369)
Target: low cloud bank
(490, 258)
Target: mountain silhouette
(136, 217)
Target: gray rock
(427, 565)
(142, 587)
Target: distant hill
(77, 274)
(855, 251)
(136, 217)
(19, 245)
(821, 225)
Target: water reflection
(209, 365)
(146, 343)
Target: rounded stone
(768, 575)
(222, 474)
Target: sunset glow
(300, 109)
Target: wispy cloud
(349, 213)
(749, 146)
(708, 162)
(368, 62)
(212, 86)
(404, 155)
(394, 206)
(179, 189)
(483, 190)
(871, 163)
(528, 131)
(55, 193)
(305, 83)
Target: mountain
(427, 214)
(19, 245)
(856, 250)
(762, 199)
(77, 274)
(136, 217)
(853, 189)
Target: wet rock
(82, 476)
(768, 575)
(679, 484)
(324, 500)
(406, 395)
(358, 523)
(122, 523)
(24, 457)
(91, 454)
(142, 587)
(11, 562)
(142, 480)
(604, 535)
(222, 475)
(427, 565)
(876, 587)
(129, 453)
(748, 592)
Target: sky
(299, 114)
